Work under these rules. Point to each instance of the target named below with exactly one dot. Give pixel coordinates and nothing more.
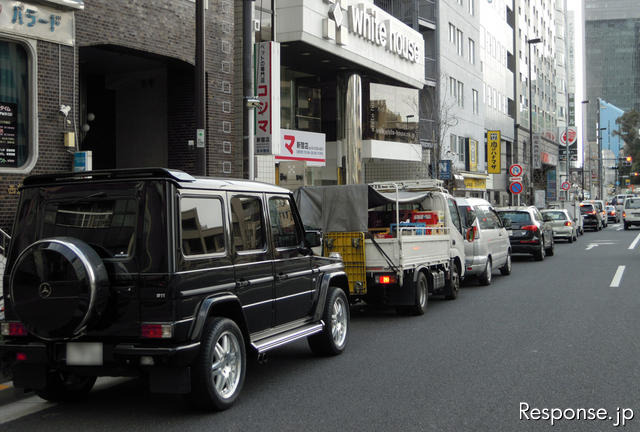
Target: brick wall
(160, 27)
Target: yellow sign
(473, 155)
(474, 183)
(493, 152)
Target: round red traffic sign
(573, 135)
(515, 188)
(565, 186)
(515, 170)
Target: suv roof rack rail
(415, 185)
(109, 174)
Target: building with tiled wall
(115, 78)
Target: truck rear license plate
(84, 354)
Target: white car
(487, 246)
(631, 212)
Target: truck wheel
(422, 295)
(333, 338)
(454, 283)
(219, 370)
(66, 387)
(485, 277)
(505, 270)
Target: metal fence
(430, 69)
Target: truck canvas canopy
(346, 207)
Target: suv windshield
(556, 215)
(108, 225)
(632, 203)
(516, 217)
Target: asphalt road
(554, 334)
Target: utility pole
(201, 151)
(584, 136)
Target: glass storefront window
(14, 105)
(392, 114)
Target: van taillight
(568, 223)
(13, 329)
(156, 331)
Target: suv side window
(284, 230)
(247, 223)
(201, 226)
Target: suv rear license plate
(84, 354)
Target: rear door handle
(282, 276)
(242, 283)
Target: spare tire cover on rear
(59, 286)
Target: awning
(475, 176)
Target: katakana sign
(267, 81)
(493, 152)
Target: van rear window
(108, 225)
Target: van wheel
(505, 270)
(485, 278)
(333, 338)
(421, 294)
(66, 387)
(219, 370)
(454, 283)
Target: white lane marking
(635, 242)
(619, 229)
(600, 243)
(34, 404)
(615, 282)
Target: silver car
(563, 225)
(486, 244)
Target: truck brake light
(386, 279)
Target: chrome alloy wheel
(339, 321)
(227, 365)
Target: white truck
(400, 241)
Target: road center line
(635, 242)
(615, 282)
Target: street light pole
(584, 134)
(531, 164)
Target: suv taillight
(532, 228)
(13, 328)
(156, 331)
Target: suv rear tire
(66, 387)
(549, 251)
(332, 340)
(219, 370)
(539, 256)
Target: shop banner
(37, 21)
(267, 82)
(444, 170)
(537, 149)
(303, 146)
(493, 152)
(552, 194)
(8, 134)
(474, 183)
(472, 155)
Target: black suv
(155, 273)
(529, 232)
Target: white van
(487, 246)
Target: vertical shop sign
(472, 155)
(551, 185)
(267, 114)
(493, 150)
(8, 134)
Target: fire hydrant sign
(493, 152)
(267, 115)
(303, 146)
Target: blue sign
(82, 161)
(515, 188)
(444, 168)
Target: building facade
(115, 78)
(497, 63)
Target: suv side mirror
(313, 238)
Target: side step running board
(272, 342)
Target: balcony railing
(430, 69)
(427, 10)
